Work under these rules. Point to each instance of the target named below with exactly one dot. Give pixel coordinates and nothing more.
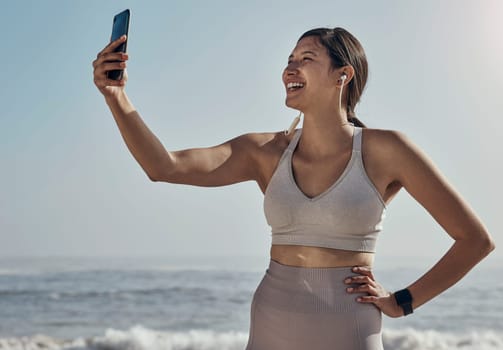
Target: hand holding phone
(120, 28)
(109, 74)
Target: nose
(292, 68)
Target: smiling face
(308, 78)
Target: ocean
(203, 303)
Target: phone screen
(120, 27)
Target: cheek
(321, 84)
(318, 76)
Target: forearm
(141, 142)
(459, 259)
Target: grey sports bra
(348, 215)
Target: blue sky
(201, 73)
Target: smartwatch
(404, 300)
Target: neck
(324, 133)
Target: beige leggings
(305, 308)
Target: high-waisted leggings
(308, 308)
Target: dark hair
(344, 49)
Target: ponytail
(352, 119)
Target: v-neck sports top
(348, 215)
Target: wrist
(120, 103)
(115, 98)
(404, 300)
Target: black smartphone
(120, 27)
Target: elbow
(151, 175)
(480, 246)
(490, 245)
(165, 172)
(152, 178)
(161, 177)
(487, 245)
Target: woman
(326, 188)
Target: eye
(303, 59)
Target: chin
(292, 104)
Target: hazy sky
(202, 72)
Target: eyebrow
(303, 52)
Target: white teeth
(292, 85)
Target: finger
(114, 56)
(365, 288)
(359, 279)
(370, 299)
(104, 77)
(363, 270)
(104, 82)
(110, 56)
(113, 66)
(113, 45)
(106, 67)
(119, 82)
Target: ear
(349, 71)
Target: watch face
(403, 296)
(404, 300)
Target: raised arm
(227, 163)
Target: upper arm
(224, 164)
(423, 180)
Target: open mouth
(294, 86)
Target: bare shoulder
(378, 157)
(267, 150)
(264, 147)
(255, 144)
(264, 144)
(267, 139)
(393, 160)
(386, 149)
(384, 138)
(404, 157)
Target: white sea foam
(141, 338)
(411, 339)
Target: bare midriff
(306, 256)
